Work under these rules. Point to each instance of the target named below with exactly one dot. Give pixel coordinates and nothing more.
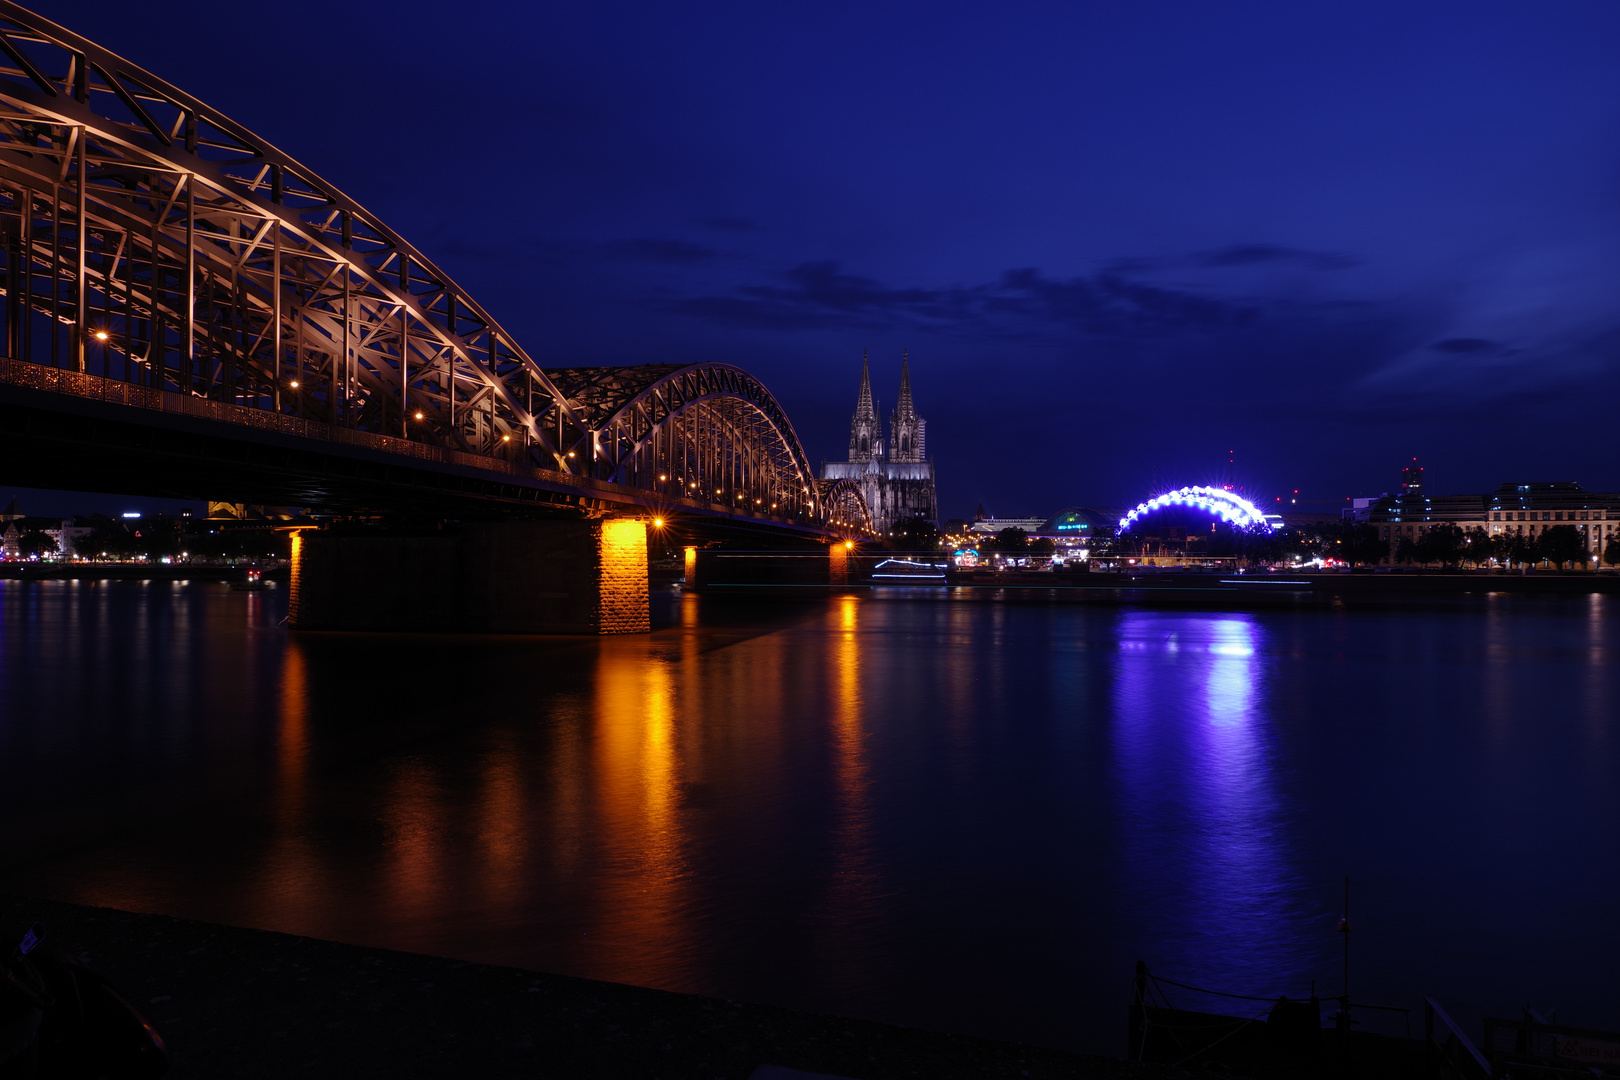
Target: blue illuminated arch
(1223, 504)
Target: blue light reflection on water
(968, 816)
(1206, 850)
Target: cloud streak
(1020, 302)
(1258, 254)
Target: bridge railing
(113, 391)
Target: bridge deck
(158, 442)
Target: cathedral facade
(900, 483)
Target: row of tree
(920, 534)
(1452, 545)
(1356, 544)
(1444, 545)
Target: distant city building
(991, 525)
(1528, 509)
(1412, 479)
(898, 484)
(1080, 527)
(18, 524)
(1361, 507)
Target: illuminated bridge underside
(1217, 502)
(149, 241)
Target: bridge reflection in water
(970, 816)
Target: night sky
(1120, 240)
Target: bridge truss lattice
(147, 238)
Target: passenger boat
(909, 571)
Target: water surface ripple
(965, 816)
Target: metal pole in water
(1344, 1002)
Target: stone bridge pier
(533, 577)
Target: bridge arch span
(708, 433)
(147, 238)
(844, 506)
(200, 257)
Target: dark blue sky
(1119, 240)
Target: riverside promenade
(250, 1003)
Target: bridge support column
(541, 577)
(837, 567)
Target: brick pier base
(540, 577)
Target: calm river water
(970, 816)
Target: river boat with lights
(910, 570)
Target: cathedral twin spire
(905, 426)
(865, 434)
(907, 431)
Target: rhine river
(963, 815)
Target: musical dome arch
(1230, 508)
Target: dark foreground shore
(249, 1003)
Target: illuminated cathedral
(898, 484)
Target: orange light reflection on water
(636, 769)
(855, 869)
(415, 847)
(287, 894)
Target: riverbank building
(896, 475)
(1527, 509)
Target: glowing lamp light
(418, 415)
(293, 384)
(504, 438)
(101, 335)
(849, 545)
(658, 523)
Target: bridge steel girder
(844, 505)
(147, 238)
(222, 267)
(706, 429)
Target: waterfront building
(989, 526)
(899, 483)
(61, 530)
(1527, 509)
(1360, 509)
(1079, 528)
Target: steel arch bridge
(157, 254)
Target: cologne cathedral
(900, 483)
